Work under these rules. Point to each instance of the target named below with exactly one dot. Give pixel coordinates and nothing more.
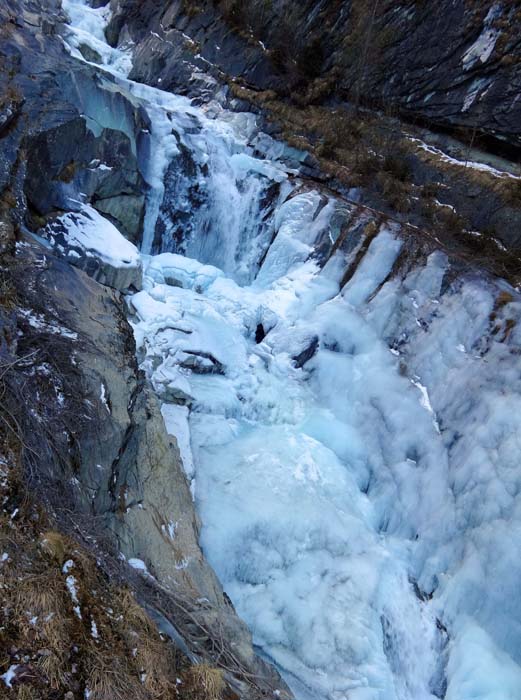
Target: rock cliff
(451, 64)
(427, 91)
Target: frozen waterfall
(352, 441)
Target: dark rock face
(183, 198)
(98, 451)
(201, 362)
(60, 143)
(68, 160)
(183, 50)
(307, 353)
(452, 64)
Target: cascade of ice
(366, 525)
(226, 222)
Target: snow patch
(10, 675)
(95, 235)
(138, 565)
(475, 165)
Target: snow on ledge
(88, 230)
(472, 164)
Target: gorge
(326, 396)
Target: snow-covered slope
(347, 405)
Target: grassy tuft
(55, 546)
(203, 682)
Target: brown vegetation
(203, 681)
(65, 628)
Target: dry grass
(506, 188)
(68, 172)
(395, 192)
(55, 670)
(27, 692)
(191, 8)
(155, 661)
(134, 615)
(509, 190)
(352, 145)
(110, 678)
(500, 323)
(11, 95)
(55, 546)
(8, 295)
(203, 682)
(503, 299)
(125, 659)
(42, 617)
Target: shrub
(510, 192)
(430, 190)
(55, 546)
(397, 166)
(396, 192)
(190, 8)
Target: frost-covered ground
(353, 452)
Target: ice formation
(353, 450)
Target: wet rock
(89, 54)
(201, 363)
(67, 134)
(126, 211)
(307, 353)
(174, 394)
(68, 163)
(184, 196)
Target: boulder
(92, 243)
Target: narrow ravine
(350, 448)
